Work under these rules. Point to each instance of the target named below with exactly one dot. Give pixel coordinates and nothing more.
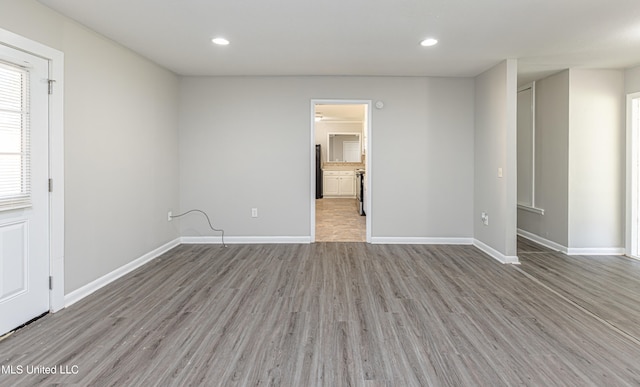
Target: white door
(24, 196)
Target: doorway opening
(633, 175)
(340, 176)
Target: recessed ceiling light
(220, 41)
(429, 42)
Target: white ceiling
(343, 112)
(368, 37)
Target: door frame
(56, 158)
(632, 242)
(312, 163)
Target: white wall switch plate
(254, 212)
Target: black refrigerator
(318, 172)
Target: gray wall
(580, 139)
(495, 147)
(632, 80)
(596, 159)
(245, 142)
(552, 161)
(121, 138)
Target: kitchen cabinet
(339, 183)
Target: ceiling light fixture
(429, 42)
(220, 41)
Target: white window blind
(15, 187)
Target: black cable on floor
(208, 221)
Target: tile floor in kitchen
(338, 220)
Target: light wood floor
(338, 220)
(335, 314)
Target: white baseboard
(571, 250)
(493, 253)
(245, 240)
(542, 241)
(420, 241)
(106, 279)
(595, 251)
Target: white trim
(56, 158)
(528, 208)
(542, 241)
(421, 241)
(312, 179)
(571, 250)
(108, 278)
(245, 240)
(595, 251)
(367, 160)
(368, 170)
(493, 253)
(632, 184)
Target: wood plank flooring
(607, 286)
(326, 314)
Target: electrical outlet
(169, 216)
(254, 212)
(485, 218)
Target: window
(15, 190)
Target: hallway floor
(338, 220)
